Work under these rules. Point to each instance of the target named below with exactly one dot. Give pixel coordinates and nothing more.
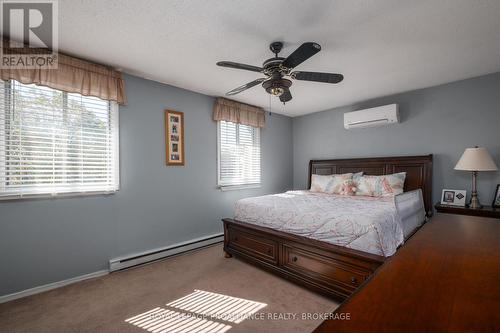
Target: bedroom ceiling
(381, 46)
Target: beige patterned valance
(76, 76)
(228, 110)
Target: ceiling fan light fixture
(277, 91)
(276, 87)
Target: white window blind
(53, 142)
(239, 154)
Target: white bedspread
(362, 223)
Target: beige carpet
(103, 304)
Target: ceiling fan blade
(286, 96)
(317, 77)
(304, 52)
(239, 66)
(245, 87)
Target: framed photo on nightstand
(496, 199)
(453, 197)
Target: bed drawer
(248, 243)
(323, 269)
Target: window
(53, 142)
(239, 154)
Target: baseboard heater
(144, 257)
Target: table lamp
(475, 159)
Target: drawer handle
(294, 259)
(354, 281)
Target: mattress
(368, 224)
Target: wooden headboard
(418, 171)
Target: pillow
(348, 187)
(328, 183)
(357, 175)
(381, 186)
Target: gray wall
(442, 120)
(48, 240)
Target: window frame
(230, 187)
(114, 116)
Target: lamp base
(474, 201)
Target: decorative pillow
(357, 175)
(328, 183)
(348, 187)
(381, 186)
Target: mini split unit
(379, 116)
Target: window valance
(228, 110)
(74, 75)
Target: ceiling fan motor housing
(272, 66)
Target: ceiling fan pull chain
(270, 105)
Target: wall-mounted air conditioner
(379, 116)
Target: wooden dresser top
(446, 278)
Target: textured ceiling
(381, 46)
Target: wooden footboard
(329, 269)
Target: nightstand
(486, 211)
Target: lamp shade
(476, 159)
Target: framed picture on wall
(453, 197)
(174, 137)
(496, 198)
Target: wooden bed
(329, 269)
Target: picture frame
(453, 197)
(174, 137)
(496, 198)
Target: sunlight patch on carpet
(218, 306)
(159, 320)
(199, 312)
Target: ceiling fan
(275, 69)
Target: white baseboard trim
(50, 286)
(164, 252)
